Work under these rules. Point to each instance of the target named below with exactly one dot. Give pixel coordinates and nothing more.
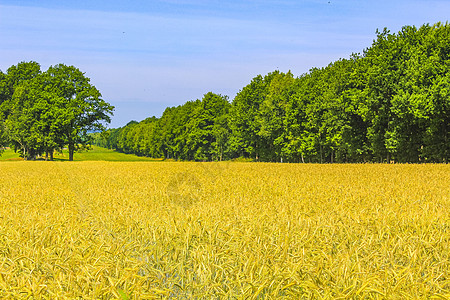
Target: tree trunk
(321, 155)
(71, 150)
(51, 154)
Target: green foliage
(43, 111)
(197, 130)
(389, 103)
(392, 102)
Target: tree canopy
(389, 103)
(44, 111)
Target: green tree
(419, 126)
(247, 139)
(16, 75)
(3, 137)
(391, 102)
(384, 60)
(79, 106)
(209, 127)
(20, 87)
(272, 115)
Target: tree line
(389, 103)
(41, 112)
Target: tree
(29, 122)
(44, 111)
(15, 76)
(18, 89)
(247, 138)
(391, 102)
(272, 115)
(3, 137)
(209, 125)
(420, 124)
(79, 107)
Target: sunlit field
(153, 230)
(94, 153)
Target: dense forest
(390, 103)
(45, 111)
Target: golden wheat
(103, 230)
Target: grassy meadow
(94, 154)
(152, 230)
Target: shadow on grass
(94, 154)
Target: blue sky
(144, 56)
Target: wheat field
(152, 230)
